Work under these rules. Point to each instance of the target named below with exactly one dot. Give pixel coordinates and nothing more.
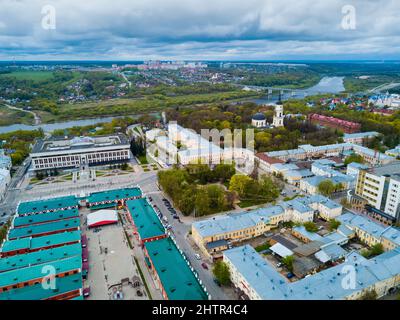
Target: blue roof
(325, 285)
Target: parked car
(175, 216)
(279, 264)
(197, 256)
(204, 265)
(290, 275)
(217, 282)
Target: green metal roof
(12, 245)
(48, 204)
(145, 218)
(55, 226)
(41, 242)
(37, 292)
(45, 217)
(38, 257)
(12, 277)
(114, 195)
(178, 280)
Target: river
(326, 85)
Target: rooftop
(45, 217)
(114, 195)
(325, 285)
(47, 205)
(169, 263)
(145, 218)
(76, 143)
(16, 276)
(36, 292)
(55, 226)
(41, 242)
(38, 257)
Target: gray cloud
(198, 29)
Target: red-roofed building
(344, 125)
(266, 161)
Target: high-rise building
(380, 186)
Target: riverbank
(50, 123)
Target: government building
(79, 152)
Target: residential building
(258, 280)
(236, 227)
(344, 125)
(380, 186)
(359, 137)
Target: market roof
(41, 242)
(114, 195)
(101, 217)
(16, 276)
(45, 217)
(37, 292)
(145, 218)
(47, 205)
(38, 257)
(50, 227)
(173, 269)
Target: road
(35, 116)
(180, 231)
(8, 206)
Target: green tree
(202, 203)
(222, 273)
(310, 226)
(224, 172)
(334, 224)
(288, 262)
(239, 183)
(326, 187)
(354, 158)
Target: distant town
(294, 185)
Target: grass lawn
(29, 75)
(263, 247)
(250, 202)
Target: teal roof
(45, 217)
(36, 292)
(38, 257)
(38, 271)
(41, 242)
(145, 218)
(48, 204)
(178, 280)
(56, 226)
(19, 244)
(114, 195)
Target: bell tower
(278, 117)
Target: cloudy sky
(199, 29)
